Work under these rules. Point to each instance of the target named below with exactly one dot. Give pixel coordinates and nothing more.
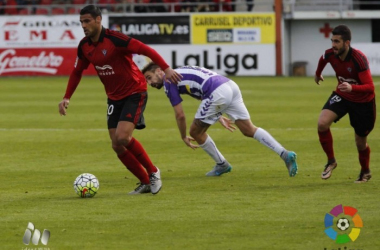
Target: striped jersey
(353, 70)
(198, 82)
(112, 57)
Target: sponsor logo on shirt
(348, 80)
(105, 70)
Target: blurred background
(232, 37)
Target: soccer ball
(343, 224)
(86, 185)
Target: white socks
(261, 135)
(210, 148)
(265, 138)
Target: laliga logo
(36, 235)
(346, 220)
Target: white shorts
(225, 99)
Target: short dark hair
(93, 10)
(150, 67)
(343, 31)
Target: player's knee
(361, 142)
(247, 133)
(118, 148)
(323, 126)
(123, 139)
(194, 134)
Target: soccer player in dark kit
(354, 95)
(111, 54)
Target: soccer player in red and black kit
(111, 54)
(355, 95)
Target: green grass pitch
(256, 206)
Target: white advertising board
(60, 31)
(241, 60)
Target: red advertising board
(40, 45)
(39, 61)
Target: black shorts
(362, 115)
(129, 109)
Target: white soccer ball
(86, 185)
(343, 224)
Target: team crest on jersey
(334, 99)
(349, 70)
(104, 52)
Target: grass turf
(256, 206)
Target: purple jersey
(197, 82)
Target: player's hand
(227, 123)
(187, 140)
(172, 76)
(318, 78)
(345, 87)
(62, 106)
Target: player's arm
(367, 82)
(364, 74)
(140, 48)
(74, 79)
(181, 123)
(318, 73)
(366, 86)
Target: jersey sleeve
(172, 93)
(81, 64)
(142, 49)
(366, 82)
(361, 64)
(134, 46)
(323, 60)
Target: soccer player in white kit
(218, 94)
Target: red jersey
(112, 58)
(353, 70)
